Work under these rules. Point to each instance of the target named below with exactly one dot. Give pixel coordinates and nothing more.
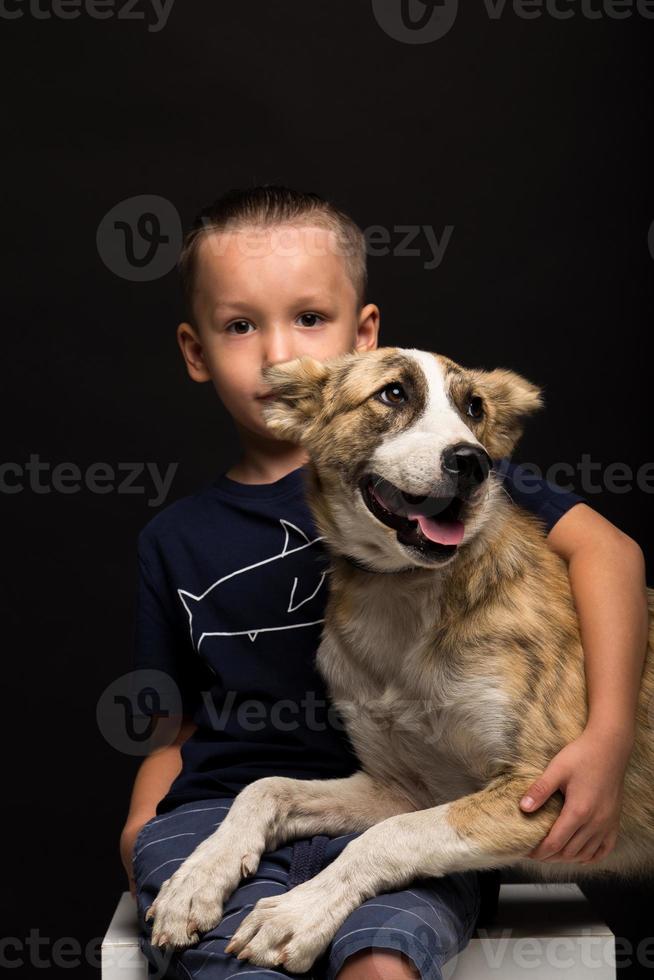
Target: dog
(451, 648)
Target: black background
(527, 136)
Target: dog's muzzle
(434, 524)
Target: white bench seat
(542, 931)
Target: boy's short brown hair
(266, 206)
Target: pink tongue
(442, 532)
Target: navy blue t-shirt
(232, 586)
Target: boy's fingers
(560, 834)
(588, 851)
(539, 791)
(578, 841)
(605, 848)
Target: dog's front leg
(264, 815)
(483, 830)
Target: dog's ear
(297, 388)
(508, 398)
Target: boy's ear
(297, 398)
(508, 398)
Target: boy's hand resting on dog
(590, 773)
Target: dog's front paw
(283, 930)
(189, 903)
(192, 900)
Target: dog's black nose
(469, 464)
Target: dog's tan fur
(458, 681)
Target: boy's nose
(279, 349)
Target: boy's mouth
(430, 523)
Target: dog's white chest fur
(415, 719)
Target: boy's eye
(239, 324)
(310, 319)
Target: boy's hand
(590, 773)
(127, 841)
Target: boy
(231, 602)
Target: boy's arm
(607, 576)
(158, 769)
(153, 780)
(167, 665)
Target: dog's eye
(393, 394)
(475, 407)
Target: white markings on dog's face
(411, 459)
(406, 504)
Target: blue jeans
(430, 922)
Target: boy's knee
(378, 964)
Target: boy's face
(264, 296)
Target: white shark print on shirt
(302, 598)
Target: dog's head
(402, 441)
